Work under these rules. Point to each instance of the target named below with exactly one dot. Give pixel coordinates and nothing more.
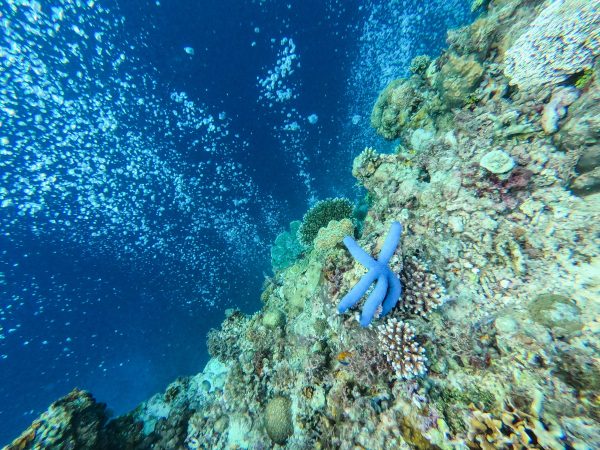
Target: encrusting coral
(494, 343)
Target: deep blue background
(115, 329)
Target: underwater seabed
(495, 341)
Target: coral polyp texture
(495, 339)
(405, 355)
(422, 290)
(562, 40)
(387, 288)
(320, 215)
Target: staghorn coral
(422, 289)
(406, 356)
(562, 41)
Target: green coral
(320, 215)
(584, 79)
(278, 419)
(286, 249)
(419, 64)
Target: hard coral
(396, 107)
(332, 235)
(397, 340)
(562, 41)
(419, 64)
(422, 289)
(224, 343)
(320, 215)
(278, 419)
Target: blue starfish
(387, 290)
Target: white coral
(405, 355)
(563, 40)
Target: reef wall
(495, 180)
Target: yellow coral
(514, 429)
(330, 236)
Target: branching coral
(405, 355)
(422, 290)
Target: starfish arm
(374, 300)
(359, 254)
(352, 297)
(390, 243)
(393, 294)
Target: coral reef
(286, 248)
(499, 262)
(562, 40)
(320, 215)
(387, 288)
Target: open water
(151, 151)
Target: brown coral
(224, 343)
(422, 289)
(406, 356)
(513, 429)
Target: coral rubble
(495, 341)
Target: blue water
(150, 152)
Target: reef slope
(496, 181)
